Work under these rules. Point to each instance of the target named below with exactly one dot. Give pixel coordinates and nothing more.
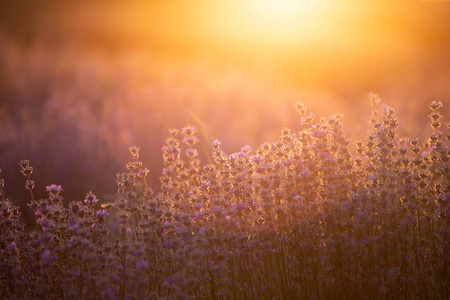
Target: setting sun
(274, 21)
(286, 13)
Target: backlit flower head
(90, 198)
(189, 131)
(54, 189)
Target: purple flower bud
(54, 189)
(102, 213)
(141, 265)
(48, 257)
(90, 199)
(12, 247)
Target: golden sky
(303, 41)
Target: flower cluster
(311, 215)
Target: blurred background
(81, 81)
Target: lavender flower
(90, 199)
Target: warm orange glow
(338, 49)
(271, 21)
(282, 10)
(285, 18)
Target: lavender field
(311, 215)
(225, 149)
